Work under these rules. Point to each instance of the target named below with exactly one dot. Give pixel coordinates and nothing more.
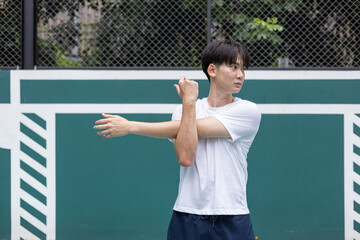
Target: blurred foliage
(172, 33)
(10, 34)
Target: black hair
(228, 51)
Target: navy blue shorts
(185, 226)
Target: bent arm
(187, 137)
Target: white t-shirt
(216, 182)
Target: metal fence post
(28, 30)
(208, 33)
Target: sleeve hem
(223, 122)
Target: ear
(212, 70)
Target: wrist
(133, 127)
(189, 101)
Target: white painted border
(51, 109)
(169, 108)
(175, 74)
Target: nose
(239, 73)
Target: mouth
(238, 84)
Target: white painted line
(33, 145)
(33, 220)
(349, 194)
(169, 108)
(25, 234)
(33, 182)
(176, 74)
(33, 202)
(33, 126)
(33, 163)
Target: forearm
(116, 126)
(156, 129)
(187, 137)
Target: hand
(114, 125)
(188, 90)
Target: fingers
(182, 80)
(106, 118)
(106, 134)
(103, 132)
(102, 121)
(108, 115)
(177, 88)
(103, 126)
(107, 125)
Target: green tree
(172, 33)
(10, 34)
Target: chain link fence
(173, 33)
(10, 33)
(131, 33)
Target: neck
(219, 99)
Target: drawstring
(211, 218)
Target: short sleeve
(242, 120)
(177, 113)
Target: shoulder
(245, 106)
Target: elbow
(185, 161)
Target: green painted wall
(4, 86)
(121, 188)
(296, 177)
(124, 188)
(5, 221)
(162, 91)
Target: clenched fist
(188, 90)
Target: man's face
(230, 77)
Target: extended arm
(116, 126)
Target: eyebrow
(237, 64)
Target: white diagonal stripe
(33, 145)
(33, 163)
(33, 201)
(33, 220)
(25, 234)
(355, 236)
(355, 158)
(356, 198)
(356, 178)
(356, 141)
(33, 126)
(33, 182)
(44, 115)
(356, 217)
(356, 120)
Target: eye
(233, 66)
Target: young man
(211, 137)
